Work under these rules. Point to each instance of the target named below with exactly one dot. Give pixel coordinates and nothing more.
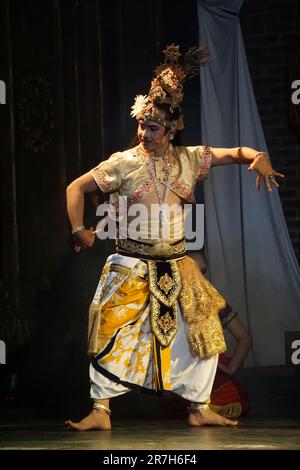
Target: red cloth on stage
(228, 398)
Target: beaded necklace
(163, 207)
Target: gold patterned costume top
(128, 174)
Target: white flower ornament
(139, 104)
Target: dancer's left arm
(257, 161)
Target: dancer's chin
(148, 146)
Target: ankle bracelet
(100, 407)
(198, 407)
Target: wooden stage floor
(250, 434)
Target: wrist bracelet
(78, 229)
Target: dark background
(72, 69)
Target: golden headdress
(167, 86)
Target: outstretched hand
(84, 239)
(266, 173)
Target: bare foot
(97, 420)
(208, 417)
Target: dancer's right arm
(75, 207)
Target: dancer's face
(153, 136)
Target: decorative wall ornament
(36, 113)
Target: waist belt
(161, 251)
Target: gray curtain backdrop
(250, 256)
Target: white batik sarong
(126, 354)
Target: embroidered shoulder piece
(204, 163)
(107, 174)
(102, 179)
